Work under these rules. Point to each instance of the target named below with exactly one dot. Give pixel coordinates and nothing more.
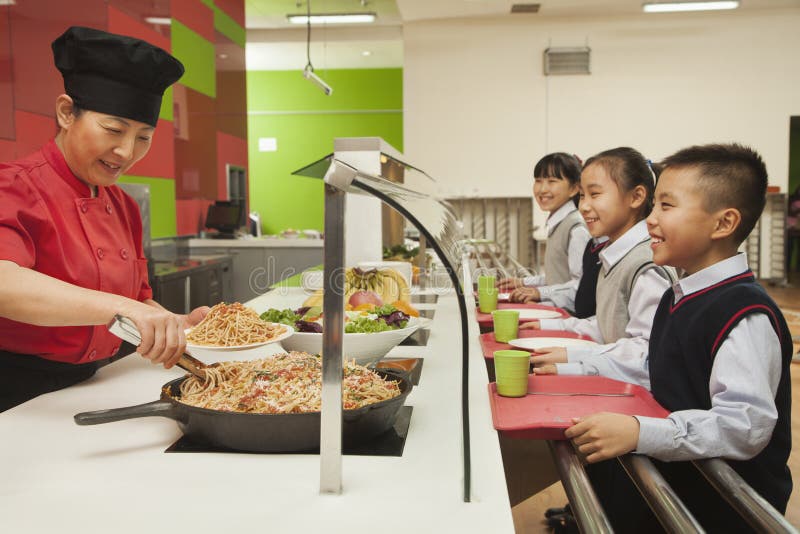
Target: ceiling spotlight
(309, 74)
(366, 53)
(671, 7)
(333, 18)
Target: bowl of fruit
(371, 328)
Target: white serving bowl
(363, 348)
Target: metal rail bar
(758, 513)
(497, 263)
(584, 502)
(668, 508)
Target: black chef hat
(114, 74)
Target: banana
(401, 291)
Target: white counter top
(58, 477)
(256, 242)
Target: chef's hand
(195, 316)
(602, 436)
(506, 284)
(531, 325)
(163, 340)
(524, 294)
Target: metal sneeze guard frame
(435, 221)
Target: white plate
(535, 343)
(286, 333)
(534, 313)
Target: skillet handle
(160, 408)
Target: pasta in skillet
(283, 383)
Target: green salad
(287, 316)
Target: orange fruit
(364, 307)
(406, 308)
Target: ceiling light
(333, 18)
(366, 53)
(309, 74)
(670, 7)
(7, 3)
(159, 21)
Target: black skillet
(250, 432)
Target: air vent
(525, 8)
(567, 60)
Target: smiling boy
(719, 350)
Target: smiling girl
(616, 196)
(555, 188)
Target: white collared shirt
(642, 304)
(563, 295)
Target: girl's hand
(532, 325)
(506, 284)
(524, 294)
(602, 436)
(549, 355)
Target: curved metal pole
(668, 508)
(462, 308)
(758, 513)
(584, 502)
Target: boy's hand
(547, 355)
(602, 436)
(532, 325)
(548, 369)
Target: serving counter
(59, 477)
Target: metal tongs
(123, 328)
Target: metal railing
(662, 499)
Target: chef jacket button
(93, 355)
(123, 253)
(84, 207)
(108, 209)
(100, 253)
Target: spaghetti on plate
(283, 383)
(231, 325)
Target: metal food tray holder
(437, 224)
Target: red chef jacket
(50, 223)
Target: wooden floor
(529, 514)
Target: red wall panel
(196, 151)
(8, 150)
(191, 215)
(233, 8)
(123, 24)
(34, 25)
(33, 130)
(195, 15)
(230, 150)
(6, 81)
(160, 160)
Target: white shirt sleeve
(533, 281)
(587, 326)
(626, 358)
(743, 384)
(563, 295)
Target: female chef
(71, 240)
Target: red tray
(489, 344)
(485, 319)
(546, 417)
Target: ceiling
(275, 44)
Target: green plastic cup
(506, 325)
(487, 294)
(511, 372)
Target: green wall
(162, 203)
(286, 106)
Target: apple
(364, 297)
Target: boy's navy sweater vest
(683, 344)
(585, 298)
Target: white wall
(479, 112)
